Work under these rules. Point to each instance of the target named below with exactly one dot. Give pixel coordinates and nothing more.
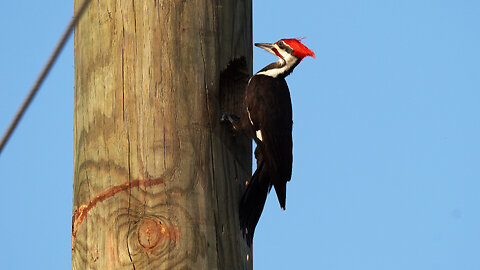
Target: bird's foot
(229, 117)
(225, 117)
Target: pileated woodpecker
(267, 118)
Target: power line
(43, 74)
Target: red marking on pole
(82, 211)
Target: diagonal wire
(43, 74)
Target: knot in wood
(149, 233)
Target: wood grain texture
(157, 177)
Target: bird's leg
(232, 119)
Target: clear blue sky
(386, 137)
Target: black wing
(269, 108)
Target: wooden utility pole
(157, 177)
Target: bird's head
(290, 52)
(285, 48)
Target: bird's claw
(224, 117)
(229, 117)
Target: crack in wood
(210, 127)
(129, 197)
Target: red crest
(299, 50)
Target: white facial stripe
(259, 135)
(288, 61)
(272, 72)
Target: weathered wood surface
(157, 178)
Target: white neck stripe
(285, 64)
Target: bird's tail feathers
(253, 201)
(281, 190)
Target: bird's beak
(266, 46)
